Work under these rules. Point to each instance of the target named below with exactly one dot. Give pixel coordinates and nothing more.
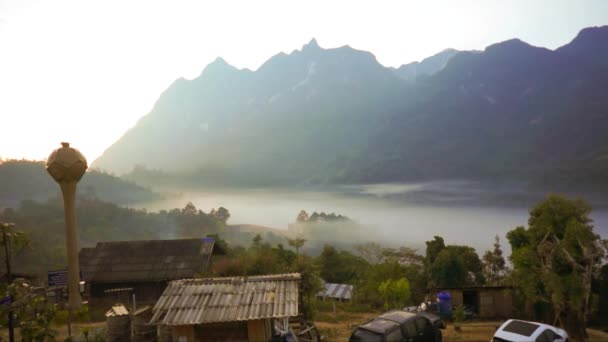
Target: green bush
(459, 314)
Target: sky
(86, 71)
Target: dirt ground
(338, 327)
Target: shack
(143, 267)
(228, 309)
(485, 301)
(338, 292)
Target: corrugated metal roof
(117, 310)
(336, 291)
(210, 300)
(140, 261)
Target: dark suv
(400, 325)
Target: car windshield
(365, 335)
(521, 328)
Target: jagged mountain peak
(311, 45)
(219, 65)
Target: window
(422, 324)
(543, 337)
(547, 336)
(521, 328)
(364, 336)
(410, 328)
(394, 336)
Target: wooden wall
(183, 333)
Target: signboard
(57, 278)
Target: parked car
(515, 330)
(399, 325)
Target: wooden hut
(144, 267)
(228, 309)
(486, 301)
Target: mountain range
(316, 116)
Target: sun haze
(85, 72)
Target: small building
(340, 292)
(142, 267)
(228, 309)
(486, 301)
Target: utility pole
(9, 276)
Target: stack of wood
(118, 321)
(142, 331)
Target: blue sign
(57, 278)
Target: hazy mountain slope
(285, 121)
(512, 111)
(427, 67)
(28, 180)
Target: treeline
(372, 268)
(28, 180)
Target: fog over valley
(391, 214)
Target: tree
(222, 214)
(433, 248)
(296, 243)
(459, 265)
(448, 270)
(12, 240)
(302, 216)
(557, 258)
(404, 256)
(256, 242)
(395, 293)
(372, 252)
(472, 263)
(494, 263)
(339, 266)
(310, 284)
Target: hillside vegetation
(28, 180)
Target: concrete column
(68, 189)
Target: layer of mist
(392, 214)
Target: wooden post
(9, 278)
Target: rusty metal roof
(336, 291)
(211, 300)
(142, 261)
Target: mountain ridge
(337, 115)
